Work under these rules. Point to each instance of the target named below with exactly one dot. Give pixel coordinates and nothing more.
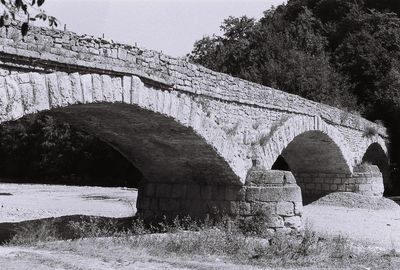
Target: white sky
(171, 26)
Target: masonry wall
(271, 195)
(366, 180)
(67, 51)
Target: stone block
(178, 191)
(218, 193)
(337, 181)
(231, 193)
(298, 208)
(364, 187)
(144, 203)
(263, 207)
(350, 188)
(65, 88)
(272, 194)
(97, 88)
(310, 186)
(351, 181)
(199, 206)
(252, 194)
(193, 191)
(154, 204)
(163, 204)
(233, 208)
(122, 54)
(261, 177)
(150, 190)
(325, 187)
(318, 186)
(244, 208)
(76, 88)
(54, 93)
(241, 195)
(292, 194)
(206, 192)
(285, 208)
(289, 178)
(169, 205)
(117, 92)
(292, 222)
(87, 88)
(275, 221)
(107, 88)
(163, 190)
(283, 230)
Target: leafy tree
(24, 11)
(274, 52)
(38, 147)
(339, 52)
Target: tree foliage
(38, 147)
(339, 52)
(24, 12)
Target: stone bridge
(206, 143)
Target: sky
(170, 26)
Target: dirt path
(19, 258)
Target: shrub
(370, 132)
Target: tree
(275, 52)
(24, 11)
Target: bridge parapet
(46, 50)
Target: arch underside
(162, 149)
(317, 163)
(315, 152)
(376, 155)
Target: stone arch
(185, 162)
(26, 93)
(378, 145)
(376, 154)
(315, 152)
(298, 125)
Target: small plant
(32, 233)
(256, 124)
(15, 36)
(231, 131)
(94, 227)
(344, 116)
(264, 138)
(340, 248)
(370, 132)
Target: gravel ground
(20, 202)
(375, 221)
(353, 200)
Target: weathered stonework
(366, 180)
(198, 136)
(272, 194)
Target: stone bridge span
(205, 142)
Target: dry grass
(185, 237)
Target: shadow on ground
(61, 225)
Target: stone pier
(272, 194)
